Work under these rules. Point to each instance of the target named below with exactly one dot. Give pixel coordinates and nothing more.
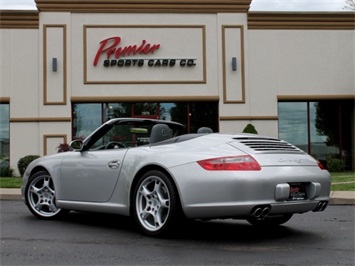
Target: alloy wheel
(40, 196)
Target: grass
(10, 182)
(339, 181)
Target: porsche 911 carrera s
(149, 170)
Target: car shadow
(110, 221)
(212, 230)
(236, 231)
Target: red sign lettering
(110, 46)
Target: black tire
(271, 221)
(40, 196)
(155, 204)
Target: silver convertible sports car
(147, 169)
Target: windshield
(127, 134)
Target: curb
(10, 194)
(336, 197)
(342, 198)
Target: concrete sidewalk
(336, 197)
(10, 194)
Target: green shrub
(6, 172)
(335, 165)
(24, 162)
(250, 129)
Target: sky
(256, 5)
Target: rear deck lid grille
(268, 144)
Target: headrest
(202, 130)
(159, 133)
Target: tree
(350, 4)
(327, 121)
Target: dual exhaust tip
(261, 212)
(321, 206)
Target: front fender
(48, 164)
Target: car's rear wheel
(271, 221)
(156, 207)
(40, 196)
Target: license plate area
(297, 191)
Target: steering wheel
(114, 145)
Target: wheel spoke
(46, 182)
(35, 190)
(165, 203)
(145, 214)
(158, 220)
(157, 186)
(52, 207)
(144, 191)
(38, 205)
(51, 191)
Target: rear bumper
(245, 210)
(227, 194)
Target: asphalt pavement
(336, 197)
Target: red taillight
(244, 162)
(321, 166)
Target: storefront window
(165, 111)
(4, 135)
(180, 113)
(196, 115)
(320, 148)
(203, 115)
(88, 116)
(293, 123)
(146, 110)
(115, 110)
(324, 129)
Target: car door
(91, 175)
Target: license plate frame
(297, 191)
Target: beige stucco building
(68, 67)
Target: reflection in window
(293, 123)
(203, 115)
(115, 110)
(320, 147)
(146, 110)
(4, 133)
(88, 116)
(324, 129)
(165, 111)
(196, 115)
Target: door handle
(114, 164)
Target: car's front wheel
(156, 207)
(271, 221)
(40, 196)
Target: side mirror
(76, 145)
